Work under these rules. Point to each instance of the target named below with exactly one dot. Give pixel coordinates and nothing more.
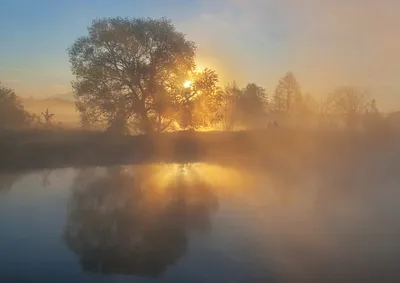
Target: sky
(326, 43)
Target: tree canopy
(245, 107)
(287, 93)
(347, 104)
(131, 74)
(12, 112)
(139, 75)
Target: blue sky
(33, 58)
(326, 43)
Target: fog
(235, 141)
(64, 109)
(148, 220)
(325, 43)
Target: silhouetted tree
(287, 93)
(347, 104)
(245, 107)
(12, 112)
(132, 73)
(230, 106)
(373, 118)
(127, 221)
(372, 108)
(48, 118)
(252, 105)
(199, 104)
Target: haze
(199, 141)
(325, 43)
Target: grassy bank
(272, 148)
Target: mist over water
(214, 141)
(199, 222)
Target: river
(197, 223)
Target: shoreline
(35, 150)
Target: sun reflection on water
(222, 180)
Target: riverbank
(31, 150)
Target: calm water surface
(196, 223)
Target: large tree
(230, 106)
(131, 73)
(287, 93)
(348, 105)
(243, 106)
(345, 105)
(12, 112)
(252, 105)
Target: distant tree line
(251, 107)
(139, 76)
(13, 115)
(12, 112)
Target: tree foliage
(12, 112)
(140, 75)
(200, 102)
(287, 93)
(373, 118)
(244, 107)
(230, 106)
(130, 73)
(348, 105)
(252, 105)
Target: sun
(187, 84)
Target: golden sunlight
(199, 69)
(187, 84)
(225, 181)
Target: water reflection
(254, 224)
(7, 181)
(136, 220)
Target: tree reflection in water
(136, 220)
(8, 180)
